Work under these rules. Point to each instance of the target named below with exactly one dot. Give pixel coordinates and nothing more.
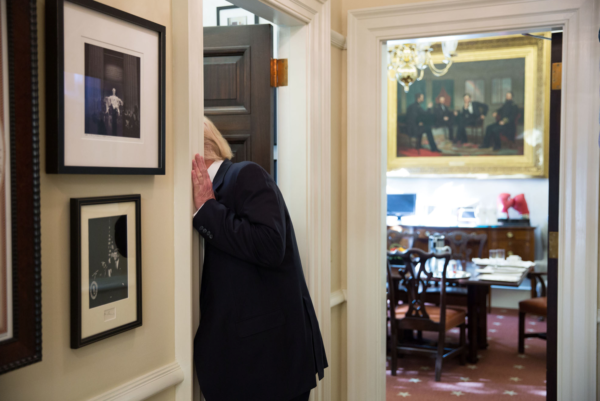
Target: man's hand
(201, 185)
(482, 117)
(445, 118)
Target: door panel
(238, 97)
(553, 196)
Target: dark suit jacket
(259, 338)
(466, 118)
(440, 111)
(415, 115)
(508, 113)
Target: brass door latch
(279, 72)
(553, 244)
(556, 76)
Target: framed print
(234, 15)
(105, 90)
(488, 115)
(20, 264)
(106, 267)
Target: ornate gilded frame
(534, 161)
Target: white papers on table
(502, 270)
(506, 278)
(503, 263)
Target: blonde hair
(215, 146)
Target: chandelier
(408, 61)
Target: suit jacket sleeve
(256, 231)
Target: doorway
(303, 141)
(577, 296)
(458, 145)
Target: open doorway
(470, 147)
(239, 96)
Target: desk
(477, 290)
(516, 240)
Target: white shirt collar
(212, 170)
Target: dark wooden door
(553, 184)
(238, 97)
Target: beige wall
(65, 374)
(338, 360)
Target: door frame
(304, 148)
(368, 29)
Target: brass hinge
(279, 72)
(556, 76)
(553, 244)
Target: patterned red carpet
(500, 374)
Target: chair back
(459, 240)
(402, 239)
(416, 278)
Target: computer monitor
(401, 204)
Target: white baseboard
(145, 386)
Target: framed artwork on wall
(234, 16)
(106, 267)
(105, 90)
(20, 263)
(487, 116)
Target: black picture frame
(25, 346)
(219, 9)
(55, 84)
(76, 265)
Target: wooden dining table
(477, 290)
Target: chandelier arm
(421, 75)
(439, 72)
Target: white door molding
(579, 174)
(144, 386)
(304, 147)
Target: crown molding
(338, 40)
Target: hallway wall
(66, 374)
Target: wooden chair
(537, 305)
(458, 241)
(477, 132)
(402, 239)
(415, 315)
(461, 252)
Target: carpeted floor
(500, 374)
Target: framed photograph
(20, 264)
(504, 83)
(105, 90)
(234, 15)
(106, 267)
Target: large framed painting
(487, 116)
(105, 90)
(106, 267)
(20, 267)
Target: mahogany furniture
(516, 240)
(537, 305)
(414, 315)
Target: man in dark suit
(419, 121)
(470, 114)
(259, 338)
(444, 117)
(505, 124)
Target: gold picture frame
(534, 160)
